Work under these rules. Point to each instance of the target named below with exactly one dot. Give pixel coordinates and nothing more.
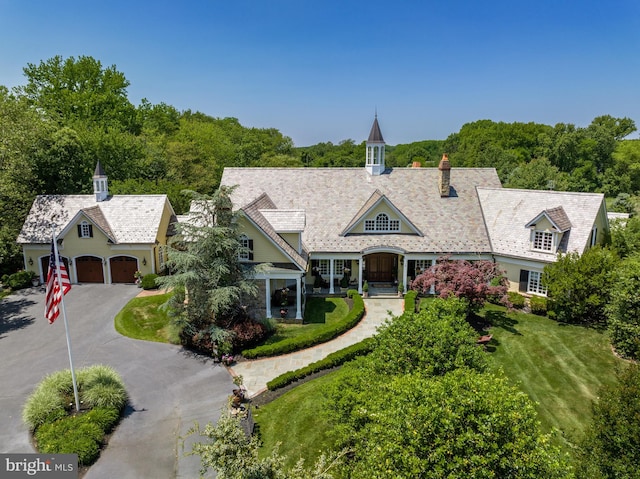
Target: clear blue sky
(318, 70)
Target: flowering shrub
(227, 359)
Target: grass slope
(560, 366)
(294, 421)
(142, 318)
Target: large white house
(384, 225)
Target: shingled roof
(508, 214)
(332, 197)
(124, 218)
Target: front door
(381, 267)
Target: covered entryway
(381, 267)
(123, 269)
(89, 269)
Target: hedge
(149, 281)
(306, 341)
(332, 360)
(410, 301)
(538, 305)
(516, 299)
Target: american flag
(53, 295)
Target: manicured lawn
(559, 366)
(141, 318)
(293, 420)
(320, 313)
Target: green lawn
(141, 318)
(293, 420)
(320, 313)
(559, 366)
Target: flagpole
(64, 317)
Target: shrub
(47, 403)
(71, 435)
(410, 301)
(246, 333)
(20, 280)
(311, 339)
(149, 281)
(104, 417)
(102, 386)
(538, 305)
(332, 360)
(516, 299)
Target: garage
(89, 269)
(123, 269)
(44, 262)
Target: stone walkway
(257, 373)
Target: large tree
(624, 309)
(579, 286)
(475, 281)
(611, 449)
(212, 288)
(81, 90)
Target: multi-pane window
(543, 241)
(161, 257)
(535, 283)
(323, 267)
(85, 230)
(422, 265)
(246, 249)
(382, 223)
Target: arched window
(382, 222)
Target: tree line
(72, 112)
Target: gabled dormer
(548, 230)
(379, 215)
(375, 150)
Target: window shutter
(524, 280)
(250, 245)
(90, 231)
(79, 231)
(411, 268)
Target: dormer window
(382, 223)
(246, 249)
(543, 241)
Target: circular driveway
(169, 388)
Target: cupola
(100, 183)
(375, 150)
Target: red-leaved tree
(476, 281)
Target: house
(102, 238)
(385, 225)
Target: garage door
(89, 269)
(123, 269)
(45, 265)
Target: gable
(264, 250)
(378, 215)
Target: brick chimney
(444, 175)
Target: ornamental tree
(475, 281)
(211, 287)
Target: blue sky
(318, 70)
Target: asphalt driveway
(168, 387)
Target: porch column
(298, 298)
(267, 285)
(331, 270)
(405, 265)
(360, 275)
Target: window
(594, 236)
(246, 249)
(320, 266)
(534, 285)
(422, 265)
(382, 223)
(543, 241)
(85, 230)
(161, 257)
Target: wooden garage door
(123, 268)
(45, 266)
(89, 269)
